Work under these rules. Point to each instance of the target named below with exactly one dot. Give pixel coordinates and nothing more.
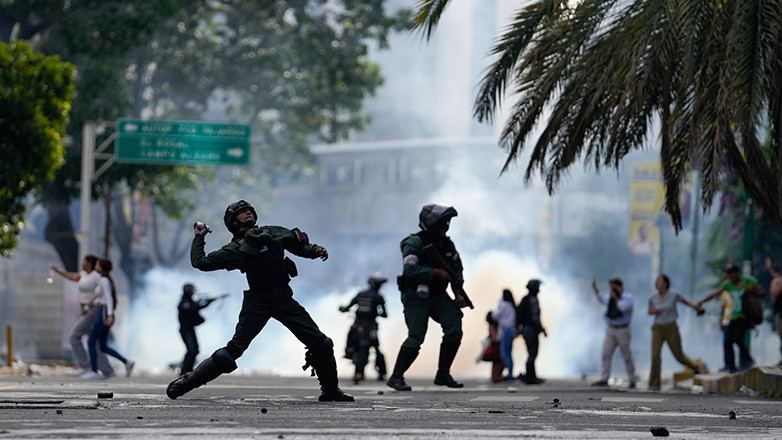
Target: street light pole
(87, 168)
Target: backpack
(752, 308)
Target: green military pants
(666, 333)
(278, 303)
(440, 307)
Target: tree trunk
(60, 233)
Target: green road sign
(182, 142)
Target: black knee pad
(224, 361)
(325, 348)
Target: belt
(618, 326)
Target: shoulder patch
(411, 260)
(300, 235)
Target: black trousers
(191, 344)
(531, 339)
(277, 303)
(737, 331)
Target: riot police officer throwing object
(189, 319)
(363, 333)
(259, 253)
(423, 285)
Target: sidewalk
(764, 380)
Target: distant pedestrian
(189, 319)
(505, 315)
(776, 295)
(736, 285)
(491, 351)
(528, 317)
(106, 302)
(662, 305)
(618, 316)
(87, 280)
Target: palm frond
(429, 13)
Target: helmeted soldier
(189, 319)
(423, 287)
(363, 333)
(259, 253)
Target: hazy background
(363, 197)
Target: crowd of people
(431, 264)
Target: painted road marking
(504, 399)
(633, 399)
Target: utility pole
(88, 174)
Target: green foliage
(35, 98)
(594, 79)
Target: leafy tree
(34, 103)
(295, 70)
(606, 74)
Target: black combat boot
(403, 361)
(448, 351)
(207, 371)
(221, 361)
(321, 358)
(380, 365)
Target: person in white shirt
(505, 315)
(105, 301)
(87, 280)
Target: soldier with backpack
(528, 320)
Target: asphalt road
(263, 407)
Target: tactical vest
(436, 285)
(367, 306)
(267, 269)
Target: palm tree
(599, 76)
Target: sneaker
(129, 368)
(91, 375)
(535, 381)
(653, 388)
(108, 375)
(632, 385)
(80, 371)
(336, 395)
(398, 384)
(600, 383)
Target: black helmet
(232, 209)
(433, 213)
(376, 280)
(188, 289)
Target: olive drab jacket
(419, 270)
(260, 247)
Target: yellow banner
(646, 197)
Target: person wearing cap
(528, 321)
(259, 253)
(424, 296)
(363, 333)
(618, 316)
(735, 285)
(189, 319)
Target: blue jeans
(506, 348)
(99, 334)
